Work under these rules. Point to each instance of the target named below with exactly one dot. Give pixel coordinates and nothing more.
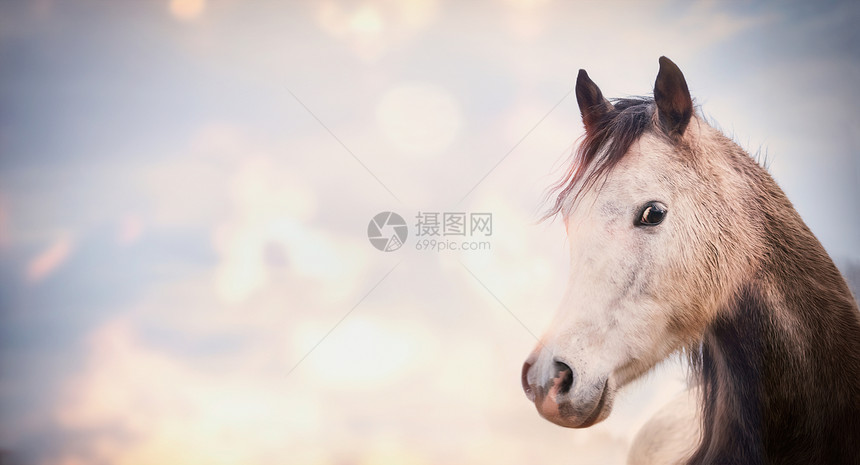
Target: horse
(681, 243)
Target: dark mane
(605, 147)
(777, 346)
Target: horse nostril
(525, 380)
(566, 374)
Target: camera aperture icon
(387, 231)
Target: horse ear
(592, 105)
(674, 105)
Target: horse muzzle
(562, 398)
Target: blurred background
(185, 189)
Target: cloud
(50, 259)
(187, 10)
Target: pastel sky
(186, 185)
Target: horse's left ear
(674, 105)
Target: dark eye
(652, 214)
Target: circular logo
(387, 231)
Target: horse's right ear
(592, 105)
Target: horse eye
(652, 215)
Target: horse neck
(780, 364)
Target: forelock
(603, 148)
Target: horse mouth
(595, 414)
(563, 412)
